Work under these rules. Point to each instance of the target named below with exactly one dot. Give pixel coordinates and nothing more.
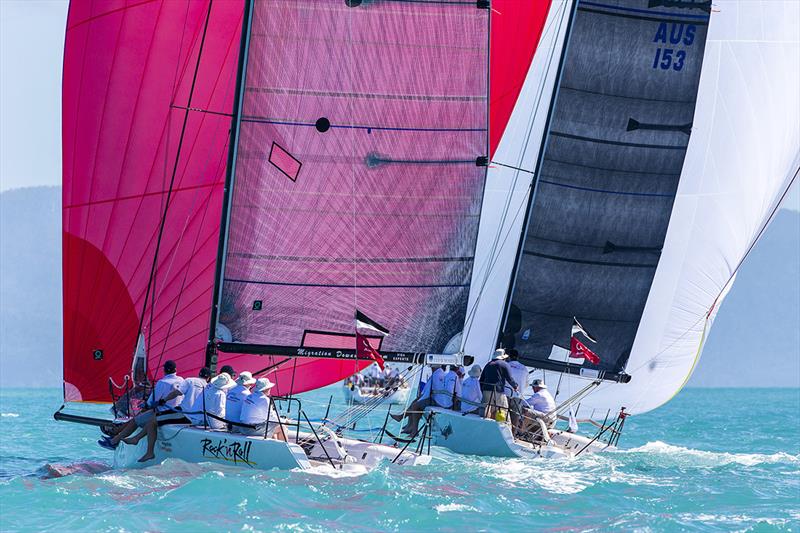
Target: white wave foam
(347, 470)
(690, 457)
(731, 519)
(453, 507)
(548, 474)
(9, 415)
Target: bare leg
(152, 434)
(413, 408)
(127, 429)
(133, 441)
(412, 426)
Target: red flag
(364, 350)
(580, 351)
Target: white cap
(475, 371)
(499, 354)
(263, 384)
(539, 384)
(245, 378)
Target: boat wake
(668, 455)
(55, 470)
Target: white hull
(198, 445)
(475, 435)
(362, 395)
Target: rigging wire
(495, 252)
(707, 314)
(174, 172)
(163, 186)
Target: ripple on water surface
(53, 475)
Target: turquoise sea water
(707, 461)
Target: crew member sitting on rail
(540, 405)
(493, 382)
(228, 369)
(448, 396)
(213, 399)
(236, 396)
(193, 387)
(195, 412)
(426, 399)
(520, 374)
(470, 397)
(256, 410)
(163, 403)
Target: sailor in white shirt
(202, 401)
(450, 387)
(162, 397)
(237, 395)
(166, 396)
(540, 405)
(471, 395)
(520, 374)
(212, 401)
(417, 407)
(193, 387)
(257, 411)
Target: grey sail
(606, 179)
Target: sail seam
(588, 262)
(339, 286)
(175, 167)
(615, 143)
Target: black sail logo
(234, 452)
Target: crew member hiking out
(426, 399)
(163, 406)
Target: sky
(31, 49)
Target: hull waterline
(199, 445)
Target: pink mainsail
(359, 181)
(359, 176)
(131, 70)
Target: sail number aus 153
(678, 35)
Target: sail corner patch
(284, 161)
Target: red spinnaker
(129, 69)
(517, 27)
(145, 132)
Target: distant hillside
(755, 340)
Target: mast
(236, 120)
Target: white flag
(573, 422)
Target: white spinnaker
(742, 156)
(506, 194)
